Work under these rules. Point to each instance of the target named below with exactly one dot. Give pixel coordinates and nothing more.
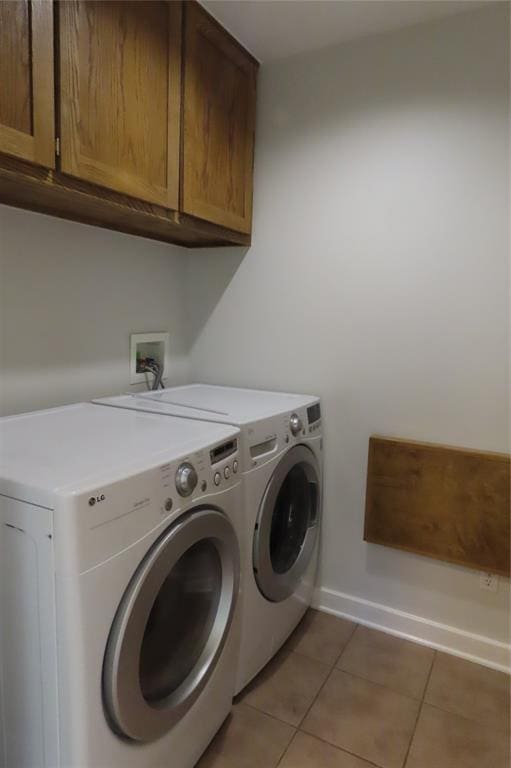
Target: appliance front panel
(171, 625)
(87, 604)
(99, 521)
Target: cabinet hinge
(57, 146)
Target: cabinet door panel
(219, 112)
(26, 73)
(120, 95)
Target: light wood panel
(451, 504)
(120, 71)
(26, 77)
(218, 123)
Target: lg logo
(96, 499)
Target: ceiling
(274, 29)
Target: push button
(217, 478)
(227, 473)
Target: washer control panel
(206, 471)
(224, 463)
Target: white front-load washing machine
(281, 466)
(119, 573)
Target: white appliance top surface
(229, 405)
(44, 452)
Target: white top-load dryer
(119, 573)
(281, 467)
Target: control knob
(295, 424)
(186, 479)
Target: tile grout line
(374, 682)
(340, 749)
(305, 656)
(423, 697)
(293, 737)
(325, 681)
(421, 700)
(285, 722)
(320, 661)
(480, 724)
(474, 720)
(407, 755)
(298, 728)
(238, 699)
(284, 753)
(380, 685)
(277, 720)
(267, 714)
(332, 668)
(357, 626)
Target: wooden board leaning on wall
(447, 503)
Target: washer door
(171, 625)
(287, 524)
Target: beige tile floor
(340, 695)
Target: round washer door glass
(180, 621)
(287, 524)
(290, 519)
(171, 625)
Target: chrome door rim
(274, 586)
(129, 713)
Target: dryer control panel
(269, 436)
(304, 422)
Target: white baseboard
(442, 637)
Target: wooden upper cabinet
(154, 100)
(219, 95)
(120, 96)
(26, 77)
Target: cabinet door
(26, 76)
(120, 72)
(218, 124)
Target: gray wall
(378, 277)
(70, 295)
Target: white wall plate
(148, 345)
